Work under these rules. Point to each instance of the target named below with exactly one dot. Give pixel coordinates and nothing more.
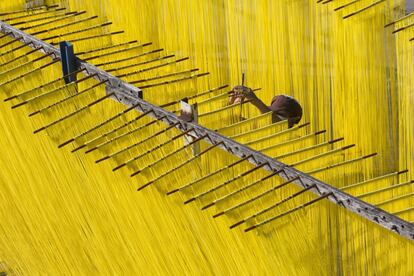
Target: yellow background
(62, 214)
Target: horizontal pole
(166, 156)
(363, 9)
(152, 136)
(343, 163)
(41, 86)
(282, 132)
(386, 189)
(294, 140)
(73, 113)
(249, 120)
(273, 206)
(65, 25)
(403, 28)
(288, 212)
(231, 106)
(215, 188)
(209, 175)
(91, 37)
(111, 46)
(182, 164)
(373, 179)
(106, 134)
(24, 22)
(123, 112)
(301, 150)
(345, 5)
(91, 88)
(139, 46)
(398, 20)
(250, 200)
(165, 76)
(135, 158)
(132, 57)
(51, 92)
(116, 138)
(393, 199)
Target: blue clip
(69, 61)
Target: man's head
(287, 108)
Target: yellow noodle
(63, 214)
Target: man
(284, 107)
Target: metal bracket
(189, 113)
(69, 61)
